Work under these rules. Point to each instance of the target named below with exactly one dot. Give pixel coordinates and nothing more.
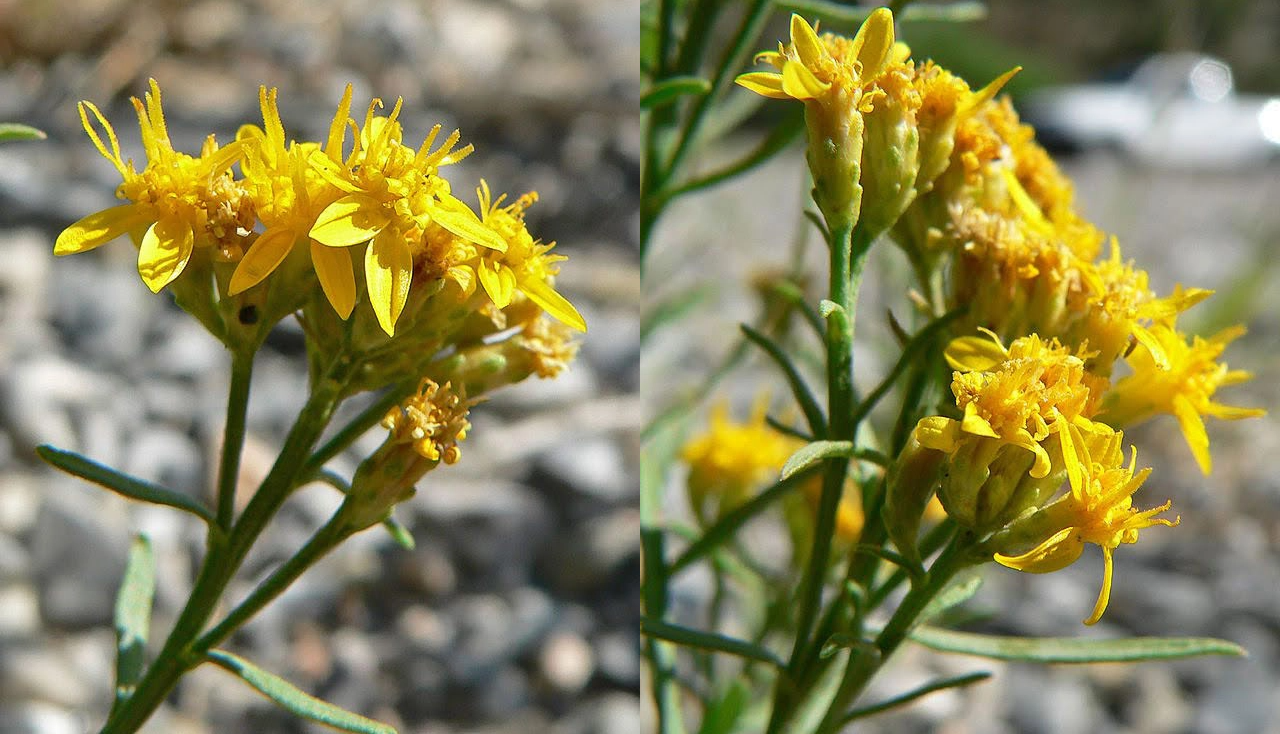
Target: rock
(618, 657)
(19, 611)
(39, 718)
(78, 558)
(566, 663)
(594, 552)
(594, 468)
(168, 458)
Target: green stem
(848, 248)
(233, 436)
(861, 668)
(226, 555)
(324, 540)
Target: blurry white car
(1177, 109)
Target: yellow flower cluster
(990, 226)
(326, 208)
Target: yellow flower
(1098, 509)
(731, 461)
(832, 75)
(1182, 385)
(525, 265)
(289, 195)
(1121, 307)
(1016, 396)
(178, 202)
(392, 197)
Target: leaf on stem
(811, 454)
(915, 693)
(708, 641)
(1072, 649)
(723, 713)
(133, 616)
(17, 131)
(799, 388)
(121, 483)
(291, 698)
(668, 90)
(961, 590)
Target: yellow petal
(1104, 595)
(974, 353)
(1040, 469)
(499, 289)
(874, 42)
(458, 218)
(263, 257)
(349, 221)
(987, 93)
(1075, 477)
(1154, 347)
(1232, 413)
(164, 252)
(99, 228)
(976, 424)
(765, 83)
(541, 293)
(938, 433)
(1192, 426)
(337, 280)
(805, 41)
(800, 83)
(1059, 551)
(388, 269)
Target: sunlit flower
(289, 195)
(1182, 385)
(392, 196)
(732, 461)
(833, 76)
(526, 264)
(1098, 509)
(178, 202)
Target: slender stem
(227, 553)
(233, 436)
(324, 540)
(848, 248)
(356, 427)
(858, 671)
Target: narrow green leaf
(913, 568)
(668, 90)
(708, 641)
(673, 309)
(728, 524)
(290, 697)
(799, 388)
(120, 483)
(961, 590)
(915, 693)
(911, 353)
(17, 131)
(133, 616)
(782, 134)
(812, 454)
(1072, 649)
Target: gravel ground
(517, 612)
(1214, 575)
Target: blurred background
(1162, 113)
(517, 612)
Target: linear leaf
(668, 89)
(133, 616)
(915, 693)
(290, 697)
(18, 131)
(811, 454)
(121, 483)
(1072, 649)
(799, 388)
(958, 592)
(708, 641)
(723, 713)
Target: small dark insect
(248, 315)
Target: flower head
(1098, 509)
(731, 461)
(289, 195)
(526, 264)
(393, 197)
(1182, 384)
(178, 202)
